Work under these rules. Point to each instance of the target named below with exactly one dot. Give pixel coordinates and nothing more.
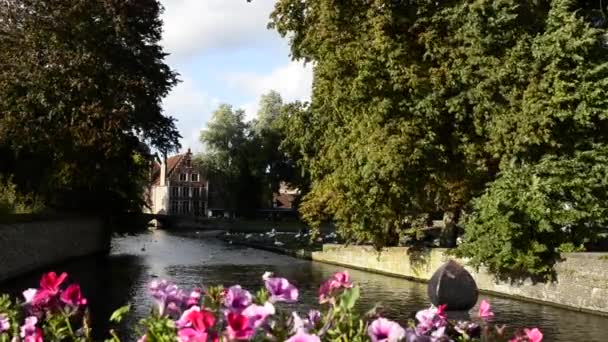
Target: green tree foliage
(245, 158)
(532, 212)
(13, 202)
(227, 158)
(417, 104)
(81, 84)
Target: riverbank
(581, 283)
(29, 243)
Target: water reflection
(191, 261)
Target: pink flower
(143, 338)
(72, 296)
(195, 324)
(256, 314)
(239, 327)
(529, 335)
(5, 324)
(383, 330)
(29, 295)
(237, 299)
(303, 337)
(534, 335)
(329, 288)
(36, 336)
(49, 287)
(281, 290)
(485, 310)
(168, 296)
(194, 299)
(29, 327)
(430, 319)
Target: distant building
(177, 188)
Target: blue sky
(225, 54)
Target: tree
(417, 104)
(81, 84)
(227, 158)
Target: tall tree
(417, 104)
(81, 84)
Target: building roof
(172, 163)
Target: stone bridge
(138, 221)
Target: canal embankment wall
(581, 278)
(31, 242)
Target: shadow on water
(198, 259)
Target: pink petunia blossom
(281, 290)
(303, 337)
(534, 335)
(237, 299)
(239, 327)
(257, 314)
(72, 296)
(5, 324)
(384, 330)
(29, 327)
(485, 310)
(49, 287)
(29, 295)
(329, 288)
(194, 298)
(195, 324)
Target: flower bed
(57, 311)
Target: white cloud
(293, 81)
(194, 26)
(192, 107)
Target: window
(194, 177)
(183, 177)
(174, 207)
(185, 207)
(196, 208)
(175, 191)
(196, 192)
(184, 192)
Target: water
(196, 259)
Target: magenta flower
(485, 310)
(534, 335)
(5, 324)
(169, 298)
(257, 314)
(281, 290)
(383, 330)
(430, 319)
(329, 288)
(237, 299)
(143, 338)
(303, 337)
(194, 325)
(238, 327)
(49, 287)
(72, 296)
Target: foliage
(57, 313)
(532, 212)
(12, 202)
(417, 104)
(81, 86)
(243, 158)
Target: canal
(197, 259)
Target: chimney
(163, 171)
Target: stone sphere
(453, 285)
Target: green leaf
(119, 313)
(349, 298)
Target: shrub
(13, 202)
(531, 213)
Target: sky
(225, 54)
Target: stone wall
(27, 245)
(582, 278)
